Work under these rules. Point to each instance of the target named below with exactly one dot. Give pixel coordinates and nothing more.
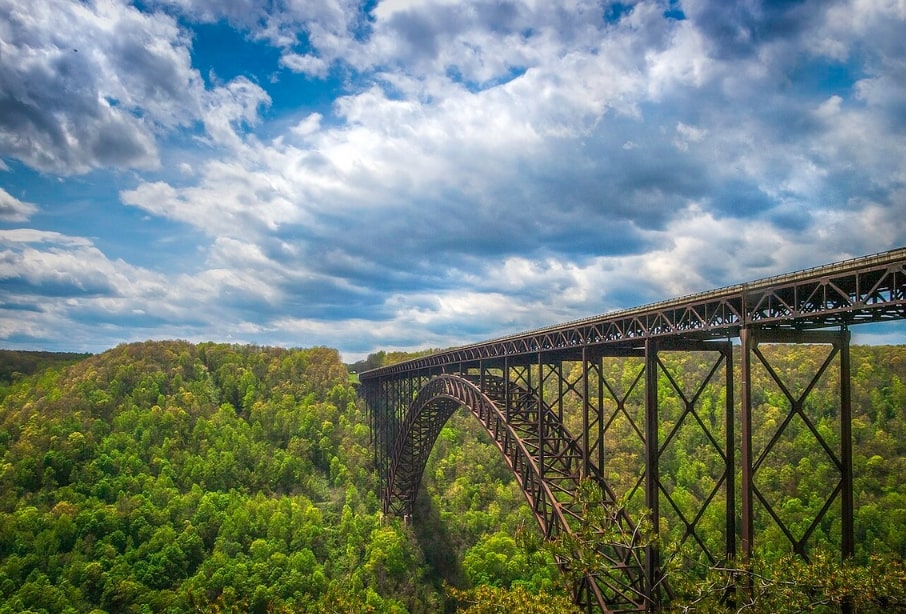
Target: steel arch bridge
(519, 386)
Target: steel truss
(868, 289)
(841, 458)
(547, 462)
(524, 389)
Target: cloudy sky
(405, 174)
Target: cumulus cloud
(489, 166)
(52, 282)
(96, 84)
(232, 108)
(536, 169)
(42, 263)
(310, 33)
(14, 210)
(86, 84)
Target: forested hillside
(16, 364)
(173, 477)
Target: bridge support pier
(652, 467)
(674, 401)
(628, 396)
(796, 400)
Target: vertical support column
(748, 343)
(381, 419)
(600, 409)
(384, 443)
(506, 387)
(585, 463)
(371, 399)
(848, 546)
(540, 417)
(385, 431)
(751, 338)
(652, 472)
(730, 448)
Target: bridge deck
(867, 289)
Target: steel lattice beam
(868, 289)
(517, 387)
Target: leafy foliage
(791, 584)
(15, 364)
(180, 477)
(470, 509)
(487, 599)
(174, 477)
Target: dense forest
(16, 364)
(175, 477)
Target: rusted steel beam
(867, 289)
(652, 464)
(840, 458)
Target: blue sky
(404, 174)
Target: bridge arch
(546, 468)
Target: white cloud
(96, 84)
(46, 263)
(231, 108)
(308, 126)
(491, 167)
(88, 84)
(305, 63)
(63, 288)
(25, 236)
(14, 210)
(420, 164)
(385, 8)
(686, 134)
(682, 64)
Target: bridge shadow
(440, 552)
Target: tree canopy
(176, 477)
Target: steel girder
(867, 289)
(547, 462)
(516, 386)
(840, 456)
